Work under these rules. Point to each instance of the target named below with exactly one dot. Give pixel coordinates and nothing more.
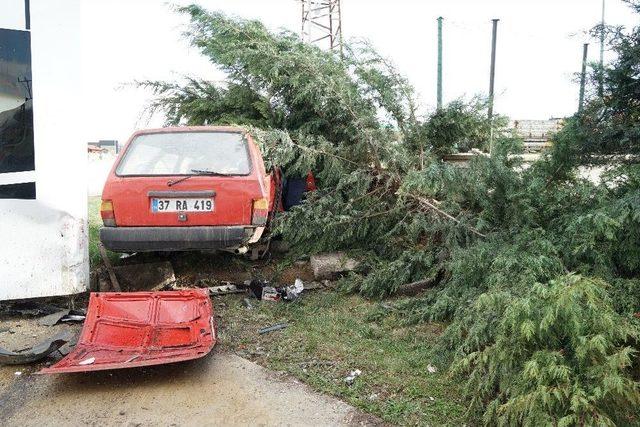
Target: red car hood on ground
(126, 330)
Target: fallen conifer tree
(534, 270)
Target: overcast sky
(539, 50)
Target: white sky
(539, 50)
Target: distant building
(537, 134)
(104, 146)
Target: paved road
(220, 389)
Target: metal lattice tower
(322, 23)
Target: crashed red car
(187, 188)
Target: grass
(330, 334)
(95, 222)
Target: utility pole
(27, 15)
(440, 63)
(583, 76)
(601, 71)
(492, 76)
(492, 79)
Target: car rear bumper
(147, 239)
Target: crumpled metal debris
(265, 291)
(37, 352)
(273, 328)
(66, 315)
(54, 318)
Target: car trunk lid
(201, 201)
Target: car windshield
(182, 153)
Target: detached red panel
(127, 330)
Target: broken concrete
(330, 265)
(227, 289)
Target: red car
(185, 188)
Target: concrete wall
(44, 247)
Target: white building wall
(44, 242)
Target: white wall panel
(43, 242)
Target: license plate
(182, 205)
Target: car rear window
(182, 153)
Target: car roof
(176, 129)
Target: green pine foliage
(559, 357)
(535, 270)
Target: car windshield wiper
(196, 172)
(207, 172)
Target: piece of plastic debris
(276, 327)
(66, 315)
(349, 379)
(247, 303)
(88, 361)
(73, 318)
(35, 353)
(54, 318)
(256, 287)
(431, 369)
(269, 293)
(431, 398)
(294, 291)
(18, 373)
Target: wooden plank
(112, 275)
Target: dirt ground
(219, 389)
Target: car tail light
(311, 182)
(260, 212)
(106, 212)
